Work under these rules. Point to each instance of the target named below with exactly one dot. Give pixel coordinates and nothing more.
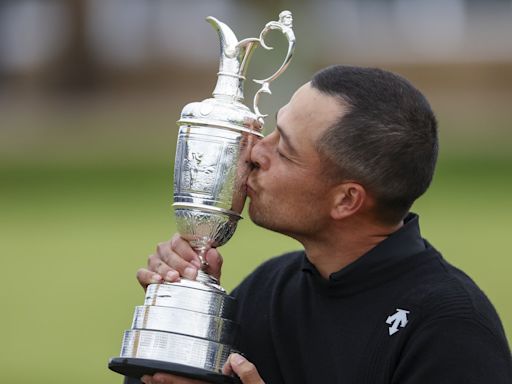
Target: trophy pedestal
(183, 328)
(136, 368)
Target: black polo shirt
(398, 314)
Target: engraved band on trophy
(187, 328)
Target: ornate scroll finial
(284, 25)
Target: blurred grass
(74, 235)
(85, 195)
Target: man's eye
(281, 154)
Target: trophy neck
(229, 87)
(231, 75)
(234, 58)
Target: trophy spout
(228, 40)
(234, 58)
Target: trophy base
(135, 367)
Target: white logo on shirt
(399, 319)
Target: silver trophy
(187, 328)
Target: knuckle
(151, 259)
(163, 268)
(174, 240)
(155, 263)
(160, 248)
(176, 236)
(249, 367)
(246, 372)
(179, 264)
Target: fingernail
(237, 359)
(189, 272)
(172, 276)
(156, 279)
(196, 263)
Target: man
(367, 300)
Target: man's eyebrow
(286, 140)
(285, 137)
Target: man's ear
(349, 197)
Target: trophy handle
(285, 26)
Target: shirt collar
(381, 262)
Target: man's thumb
(244, 369)
(214, 259)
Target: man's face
(288, 189)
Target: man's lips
(250, 189)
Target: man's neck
(343, 244)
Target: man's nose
(259, 158)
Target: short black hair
(387, 140)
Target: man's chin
(252, 213)
(255, 215)
(260, 219)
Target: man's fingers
(183, 248)
(165, 261)
(171, 266)
(177, 255)
(243, 368)
(146, 277)
(175, 258)
(155, 264)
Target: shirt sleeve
(453, 351)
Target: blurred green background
(87, 140)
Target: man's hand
(174, 259)
(236, 364)
(243, 368)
